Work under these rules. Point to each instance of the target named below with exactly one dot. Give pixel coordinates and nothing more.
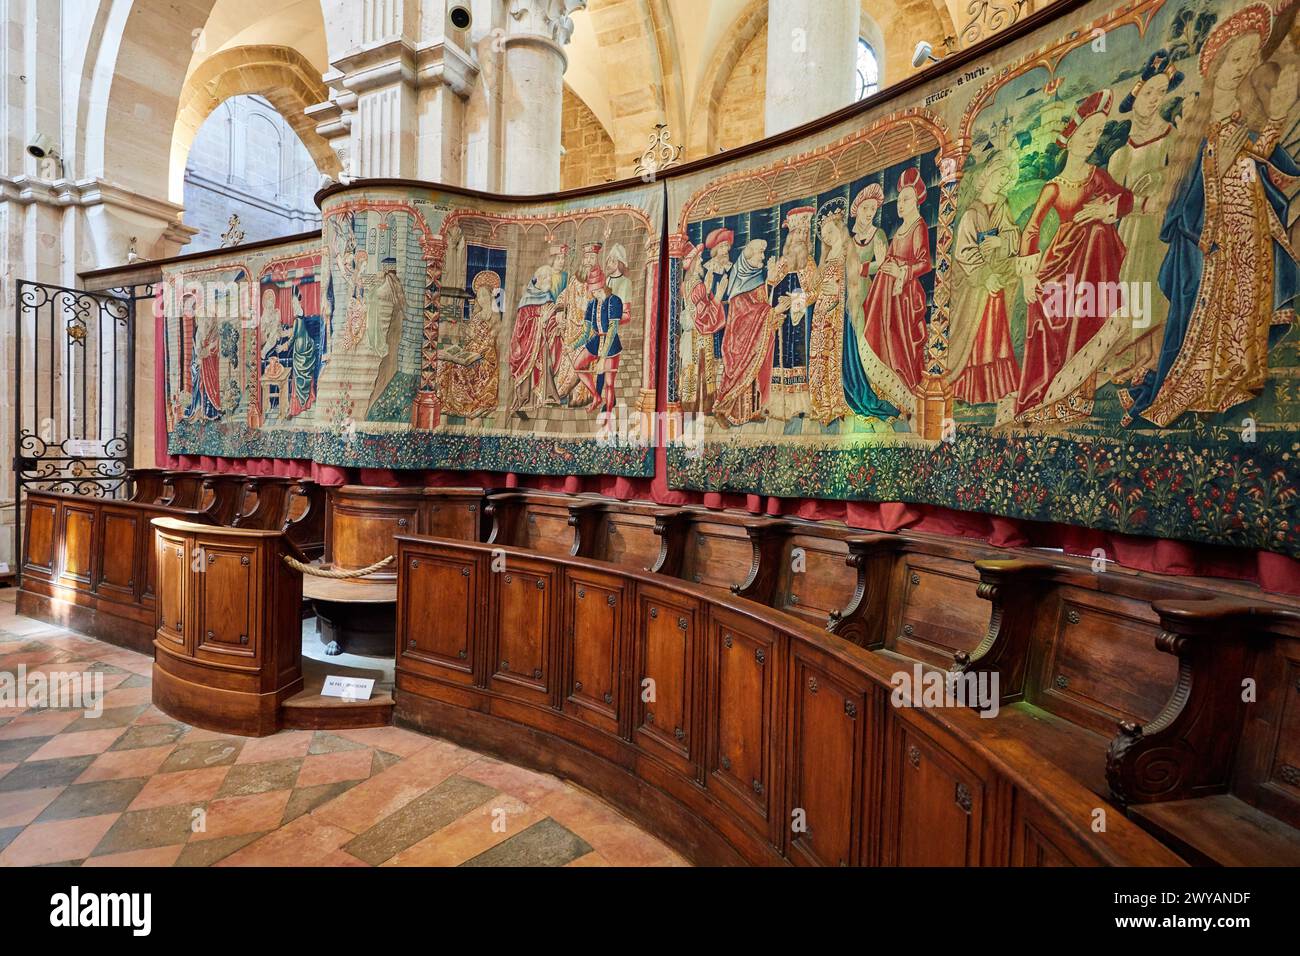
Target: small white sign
(349, 688)
(84, 447)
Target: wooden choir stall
(705, 670)
(1033, 291)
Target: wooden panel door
(228, 601)
(826, 753)
(172, 566)
(629, 540)
(937, 804)
(743, 716)
(811, 579)
(1103, 665)
(439, 616)
(77, 554)
(718, 555)
(592, 651)
(39, 538)
(664, 668)
(524, 618)
(119, 555)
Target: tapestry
(425, 329)
(1059, 285)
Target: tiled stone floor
(133, 787)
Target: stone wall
(588, 149)
(739, 115)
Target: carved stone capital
(548, 18)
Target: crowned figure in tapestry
(1058, 285)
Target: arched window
(868, 69)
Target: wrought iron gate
(74, 392)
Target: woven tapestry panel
(1057, 285)
(425, 330)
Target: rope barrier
(337, 575)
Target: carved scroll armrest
(1190, 748)
(862, 620)
(272, 507)
(167, 491)
(583, 518)
(671, 525)
(501, 511)
(766, 536)
(211, 510)
(307, 530)
(146, 484)
(1016, 588)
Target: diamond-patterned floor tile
(546, 843)
(208, 852)
(57, 841)
(147, 829)
(92, 799)
(431, 811)
(243, 780)
(205, 753)
(86, 743)
(20, 807)
(335, 767)
(116, 764)
(228, 816)
(45, 773)
(149, 735)
(135, 787)
(189, 787)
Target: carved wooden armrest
(167, 492)
(1016, 588)
(308, 528)
(146, 484)
(766, 535)
(583, 518)
(501, 510)
(271, 510)
(862, 619)
(1190, 748)
(670, 526)
(212, 483)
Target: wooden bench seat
(1217, 771)
(762, 739)
(1220, 830)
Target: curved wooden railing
(739, 733)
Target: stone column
(533, 92)
(397, 90)
(812, 53)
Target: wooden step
(308, 710)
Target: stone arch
(133, 75)
(703, 138)
(892, 27)
(281, 75)
(634, 36)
